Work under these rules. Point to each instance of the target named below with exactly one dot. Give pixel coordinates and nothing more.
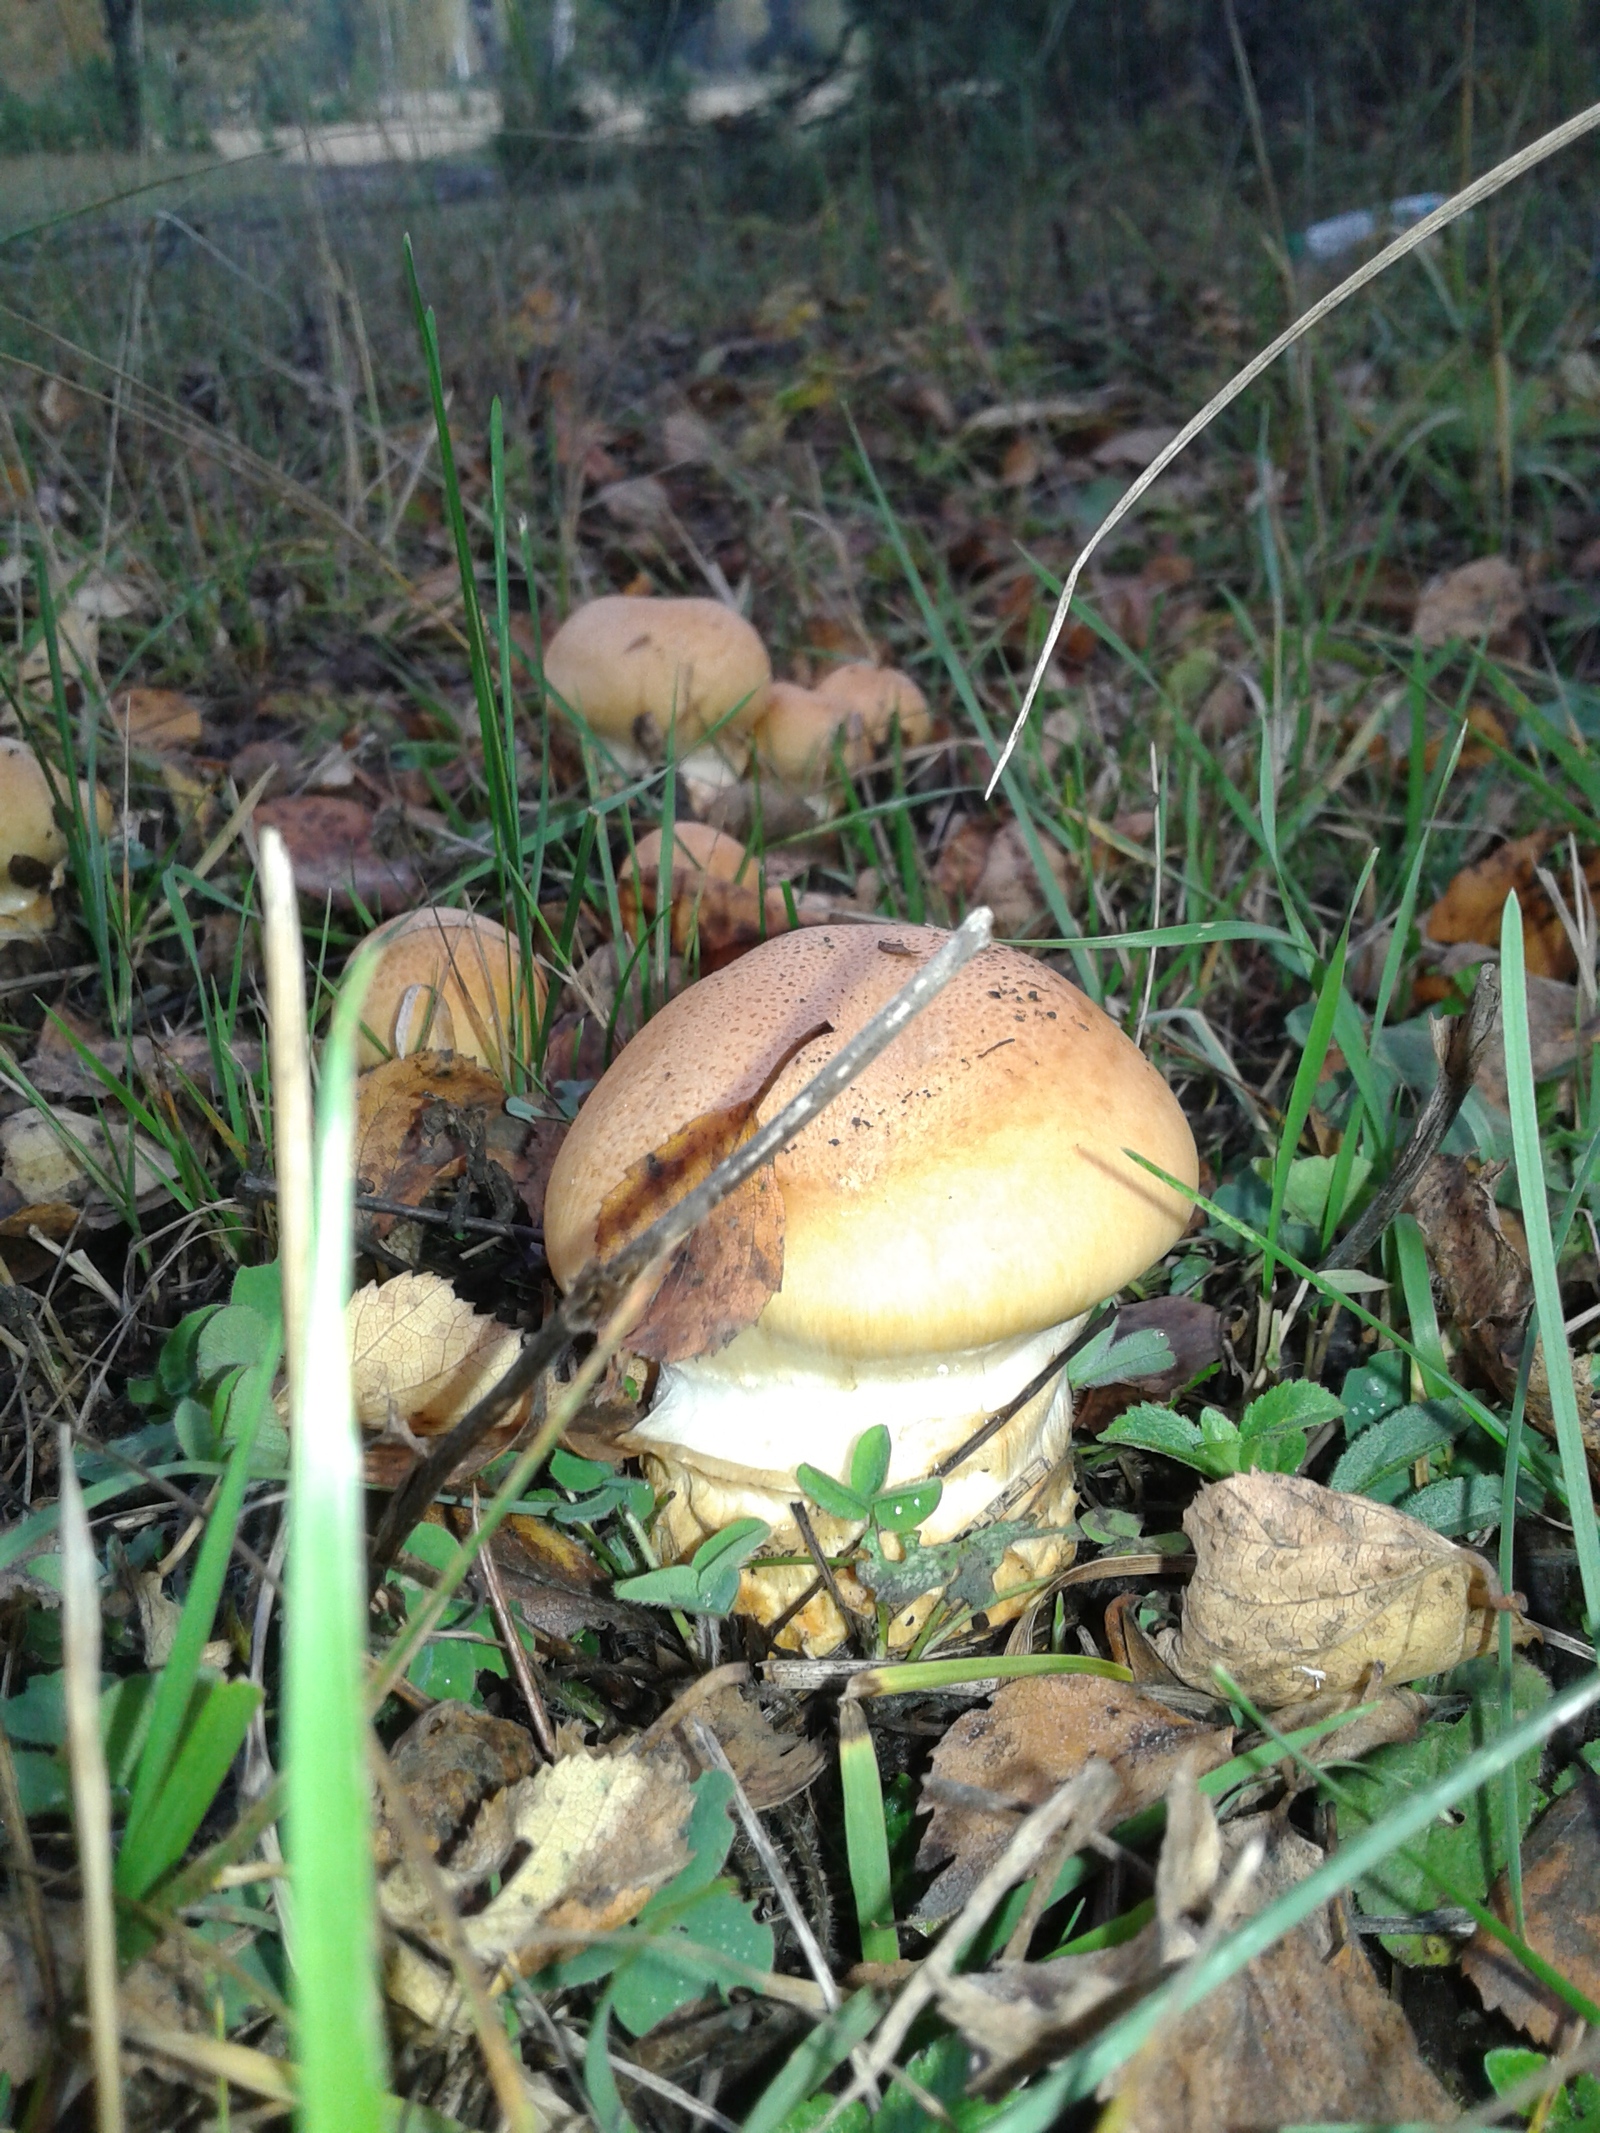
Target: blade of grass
(866, 1837)
(1521, 1097)
(328, 1818)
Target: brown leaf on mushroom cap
(1032, 1737)
(1561, 1910)
(1298, 1589)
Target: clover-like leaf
(903, 1510)
(832, 1496)
(869, 1462)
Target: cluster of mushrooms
(945, 1227)
(644, 675)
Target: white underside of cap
(760, 1408)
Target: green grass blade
(811, 2062)
(866, 1837)
(328, 1819)
(1521, 1097)
(1307, 1076)
(217, 1725)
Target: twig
(1459, 1044)
(251, 1187)
(516, 1651)
(599, 1289)
(824, 1578)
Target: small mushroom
(879, 696)
(697, 848)
(796, 734)
(33, 845)
(947, 1223)
(637, 671)
(446, 980)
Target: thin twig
(825, 1577)
(251, 1187)
(1459, 1043)
(516, 1651)
(598, 1289)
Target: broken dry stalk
(1459, 1044)
(599, 1290)
(516, 1652)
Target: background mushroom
(637, 671)
(944, 1227)
(796, 734)
(447, 981)
(878, 696)
(33, 845)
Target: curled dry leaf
(1561, 1914)
(420, 1356)
(1485, 599)
(1299, 1589)
(1479, 1256)
(771, 1767)
(430, 1119)
(449, 1763)
(1032, 1737)
(601, 1836)
(331, 845)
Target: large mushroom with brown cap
(643, 672)
(940, 1233)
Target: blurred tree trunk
(125, 31)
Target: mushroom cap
(878, 696)
(795, 735)
(446, 980)
(33, 846)
(684, 663)
(970, 1185)
(697, 848)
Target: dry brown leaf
(50, 1183)
(428, 1119)
(330, 842)
(1299, 1589)
(449, 1763)
(1557, 1033)
(1193, 1331)
(771, 1767)
(1482, 599)
(601, 1834)
(1032, 1737)
(156, 718)
(722, 1278)
(1480, 1258)
(1304, 2033)
(1133, 450)
(1470, 908)
(421, 1356)
(1561, 1910)
(1021, 466)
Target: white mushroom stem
(730, 1429)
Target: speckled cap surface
(971, 1185)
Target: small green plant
(218, 1364)
(1575, 2103)
(708, 1584)
(863, 1499)
(1271, 1434)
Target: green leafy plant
(708, 1584)
(1270, 1435)
(863, 1498)
(1575, 2103)
(218, 1364)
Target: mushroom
(947, 1224)
(697, 848)
(796, 732)
(637, 671)
(33, 845)
(446, 980)
(879, 696)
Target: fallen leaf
(1487, 1289)
(1304, 2033)
(50, 1166)
(640, 503)
(449, 1762)
(1560, 1913)
(988, 862)
(430, 1118)
(771, 1767)
(1032, 1737)
(722, 1278)
(330, 845)
(420, 1355)
(1470, 908)
(1558, 1037)
(1192, 1330)
(1020, 467)
(156, 718)
(1066, 411)
(1485, 599)
(601, 1836)
(1298, 1588)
